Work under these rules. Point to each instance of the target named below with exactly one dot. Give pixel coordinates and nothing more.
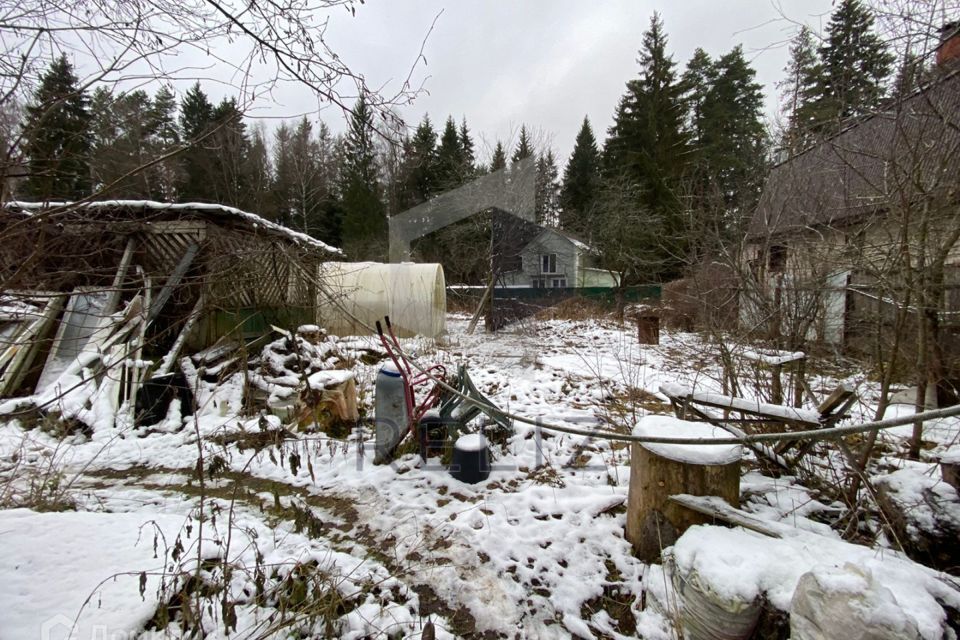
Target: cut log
(328, 402)
(659, 471)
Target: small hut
(196, 272)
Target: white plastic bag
(847, 602)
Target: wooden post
(776, 384)
(799, 375)
(659, 471)
(951, 472)
(648, 329)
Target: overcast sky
(543, 63)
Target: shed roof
(894, 156)
(208, 210)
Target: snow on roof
(580, 245)
(218, 209)
(583, 246)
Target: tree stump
(658, 471)
(328, 402)
(648, 329)
(950, 468)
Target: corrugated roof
(892, 157)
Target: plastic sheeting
(356, 293)
(848, 602)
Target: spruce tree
(137, 126)
(646, 146)
(329, 218)
(468, 160)
(449, 158)
(57, 137)
(647, 141)
(229, 146)
(283, 175)
(798, 89)
(104, 134)
(855, 67)
(734, 129)
(420, 166)
(499, 159)
(581, 183)
(730, 155)
(196, 120)
(364, 216)
(257, 173)
(164, 139)
(698, 78)
(524, 146)
(165, 125)
(547, 202)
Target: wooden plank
(483, 301)
(168, 360)
(14, 374)
(685, 411)
(115, 292)
(196, 229)
(835, 400)
(181, 269)
(718, 508)
(756, 411)
(13, 342)
(137, 373)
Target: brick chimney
(948, 53)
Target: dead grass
(578, 309)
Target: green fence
(602, 294)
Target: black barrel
(471, 459)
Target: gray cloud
(545, 64)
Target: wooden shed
(214, 269)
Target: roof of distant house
(210, 209)
(579, 244)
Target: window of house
(539, 283)
(559, 283)
(778, 258)
(548, 263)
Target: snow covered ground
(305, 534)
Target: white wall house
(555, 260)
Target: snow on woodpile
(702, 454)
(324, 379)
